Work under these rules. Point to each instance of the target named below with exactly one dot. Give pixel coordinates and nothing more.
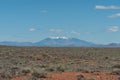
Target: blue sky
(32, 20)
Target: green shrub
(116, 66)
(39, 75)
(80, 77)
(26, 71)
(116, 72)
(90, 79)
(60, 69)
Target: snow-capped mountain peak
(63, 37)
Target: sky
(95, 21)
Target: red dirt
(20, 78)
(72, 76)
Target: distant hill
(113, 45)
(60, 42)
(9, 43)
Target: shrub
(80, 77)
(50, 69)
(39, 75)
(26, 71)
(60, 68)
(116, 66)
(90, 79)
(4, 76)
(116, 72)
(15, 71)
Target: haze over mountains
(60, 42)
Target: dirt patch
(72, 76)
(20, 78)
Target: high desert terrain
(59, 63)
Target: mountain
(60, 42)
(63, 41)
(9, 43)
(52, 41)
(113, 45)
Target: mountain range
(60, 42)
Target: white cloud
(44, 11)
(55, 30)
(107, 7)
(114, 15)
(113, 29)
(32, 29)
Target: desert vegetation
(34, 63)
